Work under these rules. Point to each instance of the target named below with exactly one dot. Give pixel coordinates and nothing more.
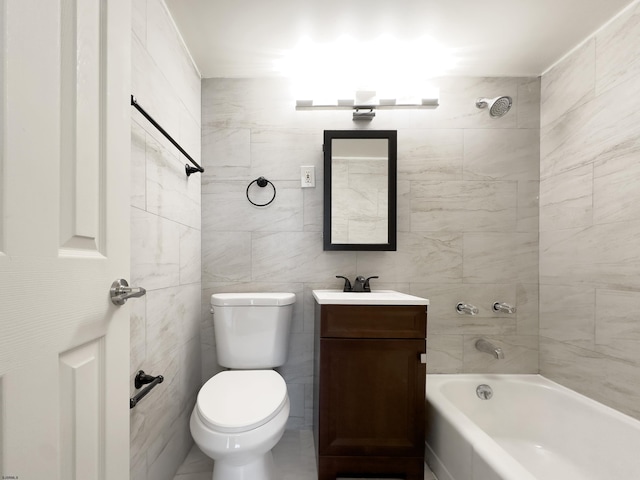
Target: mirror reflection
(360, 190)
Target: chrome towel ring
(262, 182)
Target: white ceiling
(242, 38)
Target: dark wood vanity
(369, 390)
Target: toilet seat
(240, 400)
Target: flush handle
(120, 291)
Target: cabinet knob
(423, 358)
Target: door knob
(120, 291)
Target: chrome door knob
(120, 291)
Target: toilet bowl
(239, 417)
(241, 414)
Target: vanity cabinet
(369, 390)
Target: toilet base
(262, 468)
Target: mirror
(360, 189)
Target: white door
(64, 237)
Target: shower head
(497, 106)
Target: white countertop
(375, 297)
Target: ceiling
(243, 38)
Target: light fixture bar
(371, 102)
(309, 105)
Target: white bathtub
(531, 429)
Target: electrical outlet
(308, 176)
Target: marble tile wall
(165, 243)
(467, 217)
(589, 217)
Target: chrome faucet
(503, 307)
(487, 347)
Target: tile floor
(294, 457)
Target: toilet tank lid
(263, 298)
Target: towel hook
(262, 182)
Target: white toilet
(240, 414)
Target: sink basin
(375, 297)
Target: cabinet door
(372, 397)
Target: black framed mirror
(360, 189)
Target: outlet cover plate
(307, 176)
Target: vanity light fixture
(365, 104)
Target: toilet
(241, 413)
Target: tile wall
(165, 243)
(589, 217)
(467, 217)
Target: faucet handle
(367, 287)
(503, 307)
(466, 309)
(347, 284)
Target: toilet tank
(252, 329)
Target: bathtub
(531, 429)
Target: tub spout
(488, 347)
